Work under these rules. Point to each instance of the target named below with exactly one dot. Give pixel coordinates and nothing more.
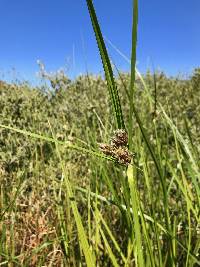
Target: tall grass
(134, 202)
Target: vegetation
(89, 178)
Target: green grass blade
(68, 145)
(159, 171)
(151, 149)
(133, 62)
(183, 142)
(110, 253)
(89, 257)
(113, 91)
(112, 238)
(138, 74)
(12, 202)
(135, 208)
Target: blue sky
(59, 33)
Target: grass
(105, 173)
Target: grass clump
(91, 180)
(37, 224)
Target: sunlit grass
(86, 183)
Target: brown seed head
(123, 156)
(120, 138)
(106, 149)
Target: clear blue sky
(59, 33)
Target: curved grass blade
(83, 240)
(109, 233)
(183, 142)
(138, 74)
(160, 175)
(109, 249)
(113, 91)
(66, 144)
(148, 219)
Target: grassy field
(101, 172)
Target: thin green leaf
(133, 63)
(113, 91)
(66, 144)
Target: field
(101, 172)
